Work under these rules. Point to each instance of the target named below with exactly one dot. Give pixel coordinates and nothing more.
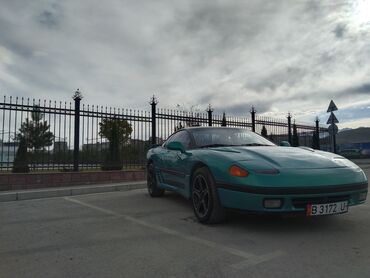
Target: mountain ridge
(356, 135)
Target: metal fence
(66, 136)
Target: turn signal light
(238, 172)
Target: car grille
(302, 202)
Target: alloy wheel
(200, 194)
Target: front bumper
(294, 199)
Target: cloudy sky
(279, 56)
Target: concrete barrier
(8, 196)
(68, 191)
(38, 194)
(16, 181)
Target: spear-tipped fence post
(153, 102)
(290, 128)
(76, 149)
(209, 111)
(317, 128)
(224, 122)
(253, 116)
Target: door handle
(180, 155)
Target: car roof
(210, 127)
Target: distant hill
(344, 129)
(358, 135)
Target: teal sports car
(221, 168)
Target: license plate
(327, 209)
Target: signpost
(333, 128)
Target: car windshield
(221, 137)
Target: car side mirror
(284, 144)
(175, 146)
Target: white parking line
(106, 211)
(250, 259)
(257, 260)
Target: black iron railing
(72, 137)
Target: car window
(183, 137)
(228, 137)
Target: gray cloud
(362, 89)
(244, 109)
(289, 76)
(339, 30)
(278, 56)
(50, 17)
(300, 99)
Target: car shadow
(177, 198)
(267, 223)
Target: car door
(175, 162)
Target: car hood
(284, 157)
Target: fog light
(362, 196)
(272, 203)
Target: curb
(9, 196)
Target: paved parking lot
(129, 234)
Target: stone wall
(12, 181)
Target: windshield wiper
(255, 144)
(229, 145)
(216, 145)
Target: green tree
(264, 131)
(117, 132)
(295, 139)
(36, 131)
(21, 158)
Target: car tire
(153, 189)
(204, 198)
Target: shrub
(21, 158)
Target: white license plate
(327, 209)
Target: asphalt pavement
(129, 234)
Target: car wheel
(153, 190)
(206, 204)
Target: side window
(172, 138)
(182, 137)
(169, 139)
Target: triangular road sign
(332, 107)
(332, 119)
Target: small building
(8, 150)
(60, 146)
(98, 146)
(137, 142)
